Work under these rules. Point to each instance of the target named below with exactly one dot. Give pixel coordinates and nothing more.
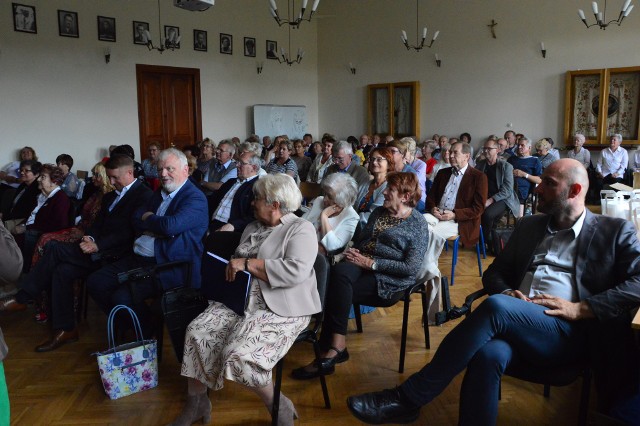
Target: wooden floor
(63, 387)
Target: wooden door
(168, 106)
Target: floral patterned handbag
(131, 367)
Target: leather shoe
(328, 366)
(387, 406)
(11, 305)
(59, 338)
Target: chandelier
(273, 7)
(165, 43)
(601, 17)
(420, 44)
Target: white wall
(58, 95)
(484, 83)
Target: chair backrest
(310, 190)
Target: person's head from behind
(339, 189)
(402, 189)
(65, 162)
(120, 171)
(100, 179)
(249, 147)
(381, 160)
(193, 150)
(124, 150)
(274, 196)
(173, 169)
(342, 153)
(563, 189)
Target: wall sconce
(438, 61)
(107, 54)
(259, 67)
(543, 50)
(352, 68)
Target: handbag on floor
(129, 368)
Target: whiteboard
(275, 120)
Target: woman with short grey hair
(543, 150)
(279, 188)
(333, 214)
(578, 152)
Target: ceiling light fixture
(601, 17)
(419, 44)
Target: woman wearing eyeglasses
(372, 197)
(26, 196)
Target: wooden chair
(310, 335)
(310, 191)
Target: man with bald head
(561, 294)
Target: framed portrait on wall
(171, 37)
(250, 47)
(140, 32)
(226, 44)
(200, 40)
(106, 29)
(24, 18)
(68, 24)
(272, 49)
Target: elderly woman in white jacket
(332, 215)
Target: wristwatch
(374, 266)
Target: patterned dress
(222, 345)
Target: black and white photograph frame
(226, 44)
(106, 29)
(68, 24)
(200, 40)
(140, 30)
(24, 18)
(171, 37)
(250, 47)
(272, 49)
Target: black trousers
(491, 215)
(349, 284)
(60, 265)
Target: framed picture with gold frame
(599, 103)
(394, 108)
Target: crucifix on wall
(492, 26)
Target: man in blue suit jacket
(562, 292)
(171, 228)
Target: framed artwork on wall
(250, 47)
(200, 40)
(171, 37)
(272, 49)
(140, 31)
(68, 24)
(24, 18)
(226, 44)
(106, 29)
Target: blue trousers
(502, 332)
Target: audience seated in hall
(457, 198)
(322, 161)
(25, 197)
(332, 215)
(357, 156)
(171, 226)
(420, 168)
(526, 171)
(612, 163)
(501, 195)
(282, 162)
(221, 169)
(545, 154)
(442, 140)
(427, 148)
(399, 149)
(371, 196)
(110, 237)
(503, 146)
(50, 214)
(232, 203)
(342, 154)
(206, 159)
(376, 271)
(366, 145)
(557, 299)
(510, 137)
(443, 162)
(314, 150)
(578, 152)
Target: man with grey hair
(503, 145)
(223, 169)
(612, 163)
(171, 227)
(232, 209)
(343, 163)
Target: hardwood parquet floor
(63, 387)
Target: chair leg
(479, 258)
(584, 397)
(323, 381)
(358, 315)
(403, 338)
(484, 249)
(276, 393)
(454, 259)
(425, 318)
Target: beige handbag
(12, 223)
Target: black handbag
(180, 306)
(499, 238)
